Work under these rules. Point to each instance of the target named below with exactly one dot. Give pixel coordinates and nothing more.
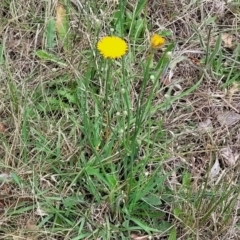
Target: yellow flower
(156, 41)
(112, 47)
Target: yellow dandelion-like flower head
(112, 47)
(156, 41)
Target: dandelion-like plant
(156, 41)
(112, 47)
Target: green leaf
(216, 49)
(51, 33)
(16, 179)
(118, 25)
(44, 55)
(186, 179)
(137, 29)
(70, 96)
(140, 6)
(143, 225)
(152, 199)
(173, 234)
(135, 22)
(51, 104)
(1, 53)
(21, 210)
(177, 212)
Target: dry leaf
(227, 40)
(60, 15)
(4, 177)
(173, 182)
(2, 206)
(206, 125)
(3, 128)
(62, 24)
(31, 226)
(136, 237)
(215, 169)
(229, 157)
(234, 88)
(228, 118)
(40, 212)
(16, 238)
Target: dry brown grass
(192, 148)
(197, 148)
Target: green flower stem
(108, 85)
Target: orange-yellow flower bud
(156, 41)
